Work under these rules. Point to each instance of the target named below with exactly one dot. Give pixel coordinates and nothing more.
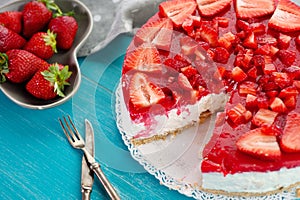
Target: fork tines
(70, 131)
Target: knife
(87, 175)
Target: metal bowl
(17, 92)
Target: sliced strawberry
(271, 130)
(239, 114)
(251, 101)
(272, 93)
(189, 71)
(221, 55)
(244, 58)
(262, 101)
(158, 32)
(269, 68)
(252, 72)
(177, 10)
(243, 25)
(273, 50)
(293, 72)
(284, 41)
(259, 145)
(238, 74)
(250, 41)
(288, 91)
(258, 61)
(222, 21)
(290, 102)
(277, 105)
(197, 82)
(269, 86)
(246, 9)
(191, 23)
(281, 79)
(143, 58)
(258, 28)
(144, 93)
(291, 138)
(267, 50)
(264, 117)
(267, 39)
(209, 35)
(287, 57)
(184, 82)
(227, 40)
(263, 50)
(247, 87)
(286, 17)
(176, 63)
(210, 8)
(221, 72)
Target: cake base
(203, 116)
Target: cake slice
(165, 94)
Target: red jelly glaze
(220, 154)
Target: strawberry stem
(50, 40)
(58, 77)
(51, 5)
(3, 67)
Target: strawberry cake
(239, 59)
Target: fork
(77, 142)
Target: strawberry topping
(177, 10)
(158, 32)
(291, 134)
(144, 93)
(210, 8)
(260, 145)
(286, 17)
(246, 9)
(264, 117)
(143, 58)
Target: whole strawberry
(42, 44)
(20, 65)
(12, 20)
(10, 40)
(50, 82)
(36, 16)
(65, 28)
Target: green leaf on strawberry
(3, 67)
(58, 77)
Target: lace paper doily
(165, 173)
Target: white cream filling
(255, 182)
(178, 119)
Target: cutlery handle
(106, 184)
(86, 193)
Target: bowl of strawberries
(39, 41)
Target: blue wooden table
(37, 162)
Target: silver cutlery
(87, 174)
(77, 142)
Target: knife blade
(87, 175)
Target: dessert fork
(77, 142)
